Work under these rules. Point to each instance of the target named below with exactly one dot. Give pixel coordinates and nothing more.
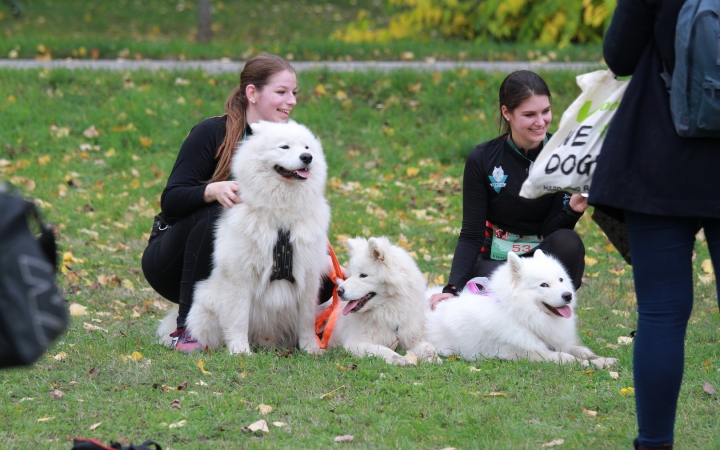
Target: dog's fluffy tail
(167, 326)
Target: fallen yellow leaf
(265, 409)
(201, 365)
(94, 426)
(707, 266)
(412, 171)
(627, 391)
(77, 310)
(590, 261)
(260, 425)
(60, 356)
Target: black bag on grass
(92, 444)
(32, 311)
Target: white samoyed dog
(270, 250)
(384, 305)
(526, 312)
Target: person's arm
(472, 233)
(195, 164)
(628, 34)
(564, 215)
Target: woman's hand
(225, 192)
(578, 203)
(437, 298)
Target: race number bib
(504, 242)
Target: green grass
(296, 29)
(103, 191)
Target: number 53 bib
(504, 242)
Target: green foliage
(558, 22)
(294, 29)
(396, 145)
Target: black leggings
(182, 255)
(565, 245)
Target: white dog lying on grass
(525, 311)
(385, 306)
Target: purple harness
(479, 286)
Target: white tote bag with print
(567, 161)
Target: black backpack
(32, 311)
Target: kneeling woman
(496, 220)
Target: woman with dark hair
(496, 220)
(179, 252)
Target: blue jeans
(661, 249)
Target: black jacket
(195, 165)
(487, 200)
(644, 166)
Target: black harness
(283, 258)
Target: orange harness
(325, 321)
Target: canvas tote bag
(567, 161)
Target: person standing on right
(667, 189)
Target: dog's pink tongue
(349, 307)
(565, 311)
(303, 173)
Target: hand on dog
(437, 298)
(225, 192)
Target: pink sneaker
(183, 342)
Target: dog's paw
(602, 363)
(400, 360)
(239, 348)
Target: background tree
(558, 22)
(204, 32)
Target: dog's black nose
(567, 296)
(340, 291)
(306, 158)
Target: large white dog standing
(385, 305)
(528, 313)
(270, 250)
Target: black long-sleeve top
(487, 200)
(194, 166)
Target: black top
(485, 199)
(195, 165)
(644, 166)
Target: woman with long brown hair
(179, 252)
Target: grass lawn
(95, 149)
(296, 29)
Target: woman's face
(529, 121)
(275, 100)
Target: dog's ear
(355, 245)
(539, 253)
(515, 265)
(379, 248)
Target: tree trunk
(204, 32)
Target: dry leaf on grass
(201, 365)
(495, 394)
(265, 409)
(330, 394)
(412, 357)
(56, 393)
(624, 340)
(280, 424)
(94, 426)
(614, 375)
(91, 327)
(554, 443)
(77, 310)
(707, 387)
(60, 356)
(345, 438)
(178, 424)
(588, 412)
(45, 419)
(707, 266)
(260, 425)
(474, 369)
(175, 404)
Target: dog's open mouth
(357, 305)
(300, 174)
(563, 311)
